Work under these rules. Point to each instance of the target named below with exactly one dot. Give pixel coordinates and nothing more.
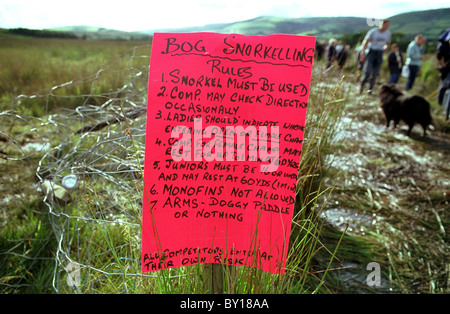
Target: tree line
(41, 33)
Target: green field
(32, 66)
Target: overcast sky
(135, 15)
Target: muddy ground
(392, 193)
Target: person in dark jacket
(395, 64)
(331, 57)
(443, 57)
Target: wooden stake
(214, 278)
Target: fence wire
(86, 165)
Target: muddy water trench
(391, 197)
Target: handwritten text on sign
(225, 124)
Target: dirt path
(394, 192)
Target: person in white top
(377, 41)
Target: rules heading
(237, 47)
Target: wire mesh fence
(85, 164)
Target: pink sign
(225, 122)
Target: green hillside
(90, 32)
(317, 26)
(430, 22)
(73, 32)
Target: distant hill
(75, 32)
(430, 22)
(317, 26)
(25, 32)
(90, 32)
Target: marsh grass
(63, 68)
(26, 246)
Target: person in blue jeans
(414, 56)
(377, 41)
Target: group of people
(337, 51)
(378, 42)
